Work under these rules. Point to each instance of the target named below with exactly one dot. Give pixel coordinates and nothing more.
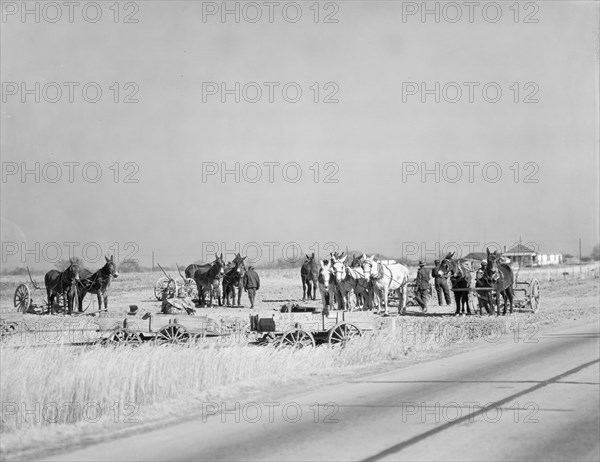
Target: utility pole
(579, 255)
(153, 261)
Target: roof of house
(520, 249)
(475, 256)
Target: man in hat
(441, 284)
(481, 270)
(423, 287)
(484, 299)
(251, 284)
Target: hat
(483, 262)
(421, 263)
(436, 261)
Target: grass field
(62, 395)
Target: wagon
(527, 295)
(133, 328)
(23, 298)
(304, 329)
(167, 284)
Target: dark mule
(499, 276)
(62, 283)
(191, 269)
(206, 277)
(309, 274)
(98, 283)
(460, 277)
(234, 279)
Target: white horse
(350, 281)
(326, 285)
(386, 278)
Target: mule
(500, 277)
(325, 283)
(309, 273)
(351, 283)
(191, 269)
(233, 279)
(98, 283)
(207, 277)
(460, 277)
(386, 278)
(62, 283)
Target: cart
(133, 328)
(23, 298)
(527, 295)
(309, 328)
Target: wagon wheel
(297, 338)
(22, 298)
(125, 337)
(191, 288)
(534, 295)
(340, 334)
(165, 284)
(171, 335)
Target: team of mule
(367, 283)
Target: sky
(146, 176)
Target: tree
(595, 255)
(129, 266)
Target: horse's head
(219, 264)
(356, 261)
(339, 268)
(72, 271)
(110, 267)
(310, 259)
(238, 261)
(325, 273)
(449, 265)
(369, 265)
(492, 273)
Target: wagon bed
(134, 328)
(310, 328)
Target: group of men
(423, 286)
(183, 303)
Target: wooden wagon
(527, 295)
(303, 329)
(133, 328)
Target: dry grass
(150, 383)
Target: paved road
(504, 401)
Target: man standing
(441, 284)
(251, 284)
(484, 298)
(423, 288)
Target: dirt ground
(281, 286)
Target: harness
(381, 274)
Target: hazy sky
(365, 141)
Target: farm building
(522, 255)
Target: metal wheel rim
(125, 337)
(160, 286)
(171, 335)
(341, 334)
(22, 298)
(297, 339)
(534, 296)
